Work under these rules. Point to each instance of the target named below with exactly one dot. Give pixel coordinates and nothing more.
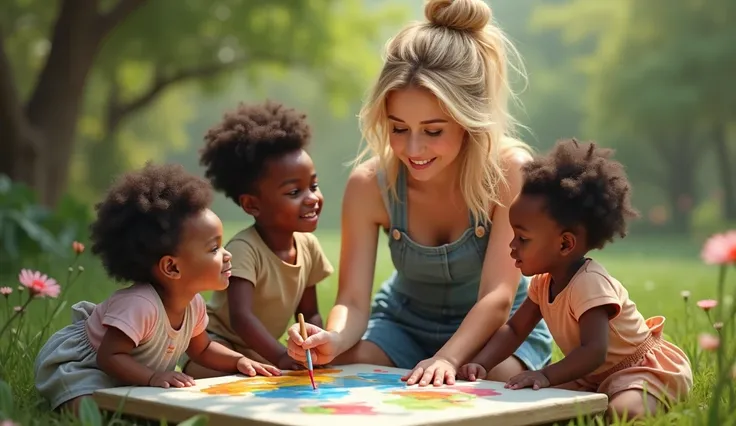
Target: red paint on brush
(311, 379)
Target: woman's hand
(436, 370)
(323, 344)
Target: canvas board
(354, 395)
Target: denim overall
(423, 302)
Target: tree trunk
(19, 145)
(680, 156)
(725, 172)
(38, 140)
(54, 106)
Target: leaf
(89, 413)
(38, 234)
(5, 183)
(10, 244)
(198, 420)
(6, 400)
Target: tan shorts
(250, 353)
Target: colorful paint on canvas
(296, 385)
(359, 408)
(333, 387)
(358, 395)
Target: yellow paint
(261, 383)
(426, 395)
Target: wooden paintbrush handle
(302, 327)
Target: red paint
(311, 379)
(477, 391)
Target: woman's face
(422, 136)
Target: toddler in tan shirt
(256, 157)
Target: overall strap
(396, 207)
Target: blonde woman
(441, 176)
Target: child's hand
(250, 368)
(472, 371)
(167, 379)
(534, 379)
(288, 363)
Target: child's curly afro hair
(141, 219)
(583, 186)
(238, 148)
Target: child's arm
(213, 355)
(509, 336)
(250, 328)
(113, 357)
(591, 353)
(308, 307)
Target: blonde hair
(462, 60)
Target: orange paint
(316, 372)
(261, 383)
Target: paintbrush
(303, 332)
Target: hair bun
(461, 15)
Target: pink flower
(8, 423)
(708, 342)
(78, 247)
(707, 304)
(5, 291)
(720, 249)
(39, 285)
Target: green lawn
(654, 271)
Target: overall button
(396, 234)
(480, 231)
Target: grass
(655, 271)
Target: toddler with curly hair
(155, 230)
(572, 201)
(255, 155)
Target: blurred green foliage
(28, 230)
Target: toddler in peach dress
(572, 201)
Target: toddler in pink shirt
(154, 229)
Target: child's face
(203, 264)
(289, 199)
(538, 240)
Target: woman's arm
(363, 212)
(499, 280)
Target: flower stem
(721, 283)
(18, 313)
(723, 375)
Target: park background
(92, 88)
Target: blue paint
(339, 388)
